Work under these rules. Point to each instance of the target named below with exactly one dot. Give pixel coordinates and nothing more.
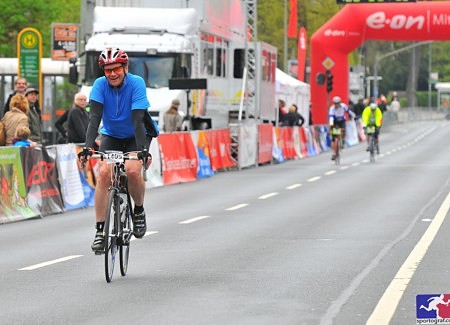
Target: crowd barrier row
(42, 181)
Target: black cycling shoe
(98, 245)
(139, 224)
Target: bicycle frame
(118, 222)
(371, 134)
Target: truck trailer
(193, 50)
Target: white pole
(241, 105)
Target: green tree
(39, 14)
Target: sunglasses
(116, 70)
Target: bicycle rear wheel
(337, 159)
(126, 238)
(111, 230)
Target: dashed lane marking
(313, 179)
(293, 186)
(58, 260)
(188, 221)
(266, 196)
(331, 172)
(239, 206)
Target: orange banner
(220, 149)
(287, 142)
(265, 143)
(178, 157)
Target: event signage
(64, 41)
(30, 52)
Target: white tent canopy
(293, 91)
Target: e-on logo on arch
(433, 309)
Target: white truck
(194, 52)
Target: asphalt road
(303, 242)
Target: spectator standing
(78, 120)
(20, 86)
(34, 115)
(16, 117)
(382, 105)
(282, 111)
(172, 119)
(358, 108)
(293, 117)
(61, 126)
(22, 136)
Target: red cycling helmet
(112, 55)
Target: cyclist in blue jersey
(338, 114)
(119, 99)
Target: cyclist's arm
(138, 116)
(95, 116)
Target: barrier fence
(36, 182)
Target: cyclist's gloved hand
(85, 153)
(145, 156)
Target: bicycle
(336, 132)
(118, 222)
(370, 131)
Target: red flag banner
(292, 27)
(301, 54)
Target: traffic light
(329, 81)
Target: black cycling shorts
(125, 145)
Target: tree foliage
(40, 14)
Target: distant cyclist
(338, 114)
(372, 116)
(119, 99)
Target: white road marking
(148, 233)
(313, 179)
(357, 163)
(343, 167)
(58, 260)
(239, 206)
(388, 303)
(266, 196)
(291, 187)
(331, 172)
(185, 222)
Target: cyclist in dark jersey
(119, 99)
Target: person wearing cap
(34, 115)
(172, 119)
(372, 116)
(20, 86)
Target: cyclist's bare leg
(136, 185)
(101, 191)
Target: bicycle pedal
(99, 252)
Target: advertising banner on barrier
(287, 142)
(220, 149)
(248, 140)
(41, 176)
(277, 152)
(204, 160)
(179, 158)
(75, 193)
(265, 143)
(13, 192)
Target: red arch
(356, 23)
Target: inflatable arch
(356, 23)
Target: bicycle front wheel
(372, 148)
(126, 238)
(111, 230)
